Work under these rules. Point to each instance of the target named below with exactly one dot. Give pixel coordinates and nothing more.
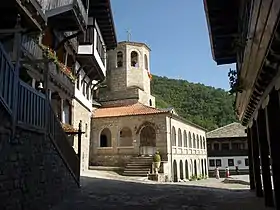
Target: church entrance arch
(148, 141)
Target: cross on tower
(128, 35)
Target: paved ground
(116, 192)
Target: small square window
(218, 162)
(212, 163)
(246, 162)
(230, 162)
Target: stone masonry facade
(117, 155)
(32, 173)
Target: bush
(157, 157)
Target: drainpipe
(170, 133)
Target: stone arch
(105, 139)
(191, 167)
(175, 175)
(125, 137)
(205, 167)
(190, 140)
(187, 169)
(148, 136)
(194, 143)
(179, 138)
(204, 143)
(202, 167)
(134, 59)
(173, 136)
(195, 167)
(181, 170)
(144, 124)
(119, 59)
(146, 62)
(185, 139)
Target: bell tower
(129, 72)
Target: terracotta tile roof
(231, 130)
(128, 110)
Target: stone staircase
(138, 166)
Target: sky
(177, 33)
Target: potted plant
(156, 161)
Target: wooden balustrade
(7, 84)
(31, 107)
(33, 110)
(62, 142)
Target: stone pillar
(273, 117)
(264, 154)
(250, 159)
(256, 160)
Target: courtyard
(117, 192)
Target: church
(127, 126)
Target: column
(256, 159)
(265, 162)
(273, 128)
(250, 159)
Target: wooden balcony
(66, 15)
(92, 54)
(33, 52)
(32, 16)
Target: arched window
(146, 62)
(119, 59)
(185, 139)
(201, 143)
(125, 137)
(150, 102)
(204, 143)
(179, 138)
(194, 143)
(173, 136)
(105, 138)
(190, 140)
(197, 142)
(134, 59)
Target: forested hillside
(206, 106)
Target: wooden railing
(7, 84)
(51, 4)
(33, 110)
(59, 137)
(34, 51)
(31, 107)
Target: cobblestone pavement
(97, 194)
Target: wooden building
(248, 33)
(52, 60)
(227, 147)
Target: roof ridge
(223, 127)
(150, 107)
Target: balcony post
(250, 160)
(265, 162)
(256, 159)
(273, 130)
(16, 57)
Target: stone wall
(32, 174)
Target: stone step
(137, 169)
(135, 173)
(138, 165)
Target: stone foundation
(110, 160)
(32, 174)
